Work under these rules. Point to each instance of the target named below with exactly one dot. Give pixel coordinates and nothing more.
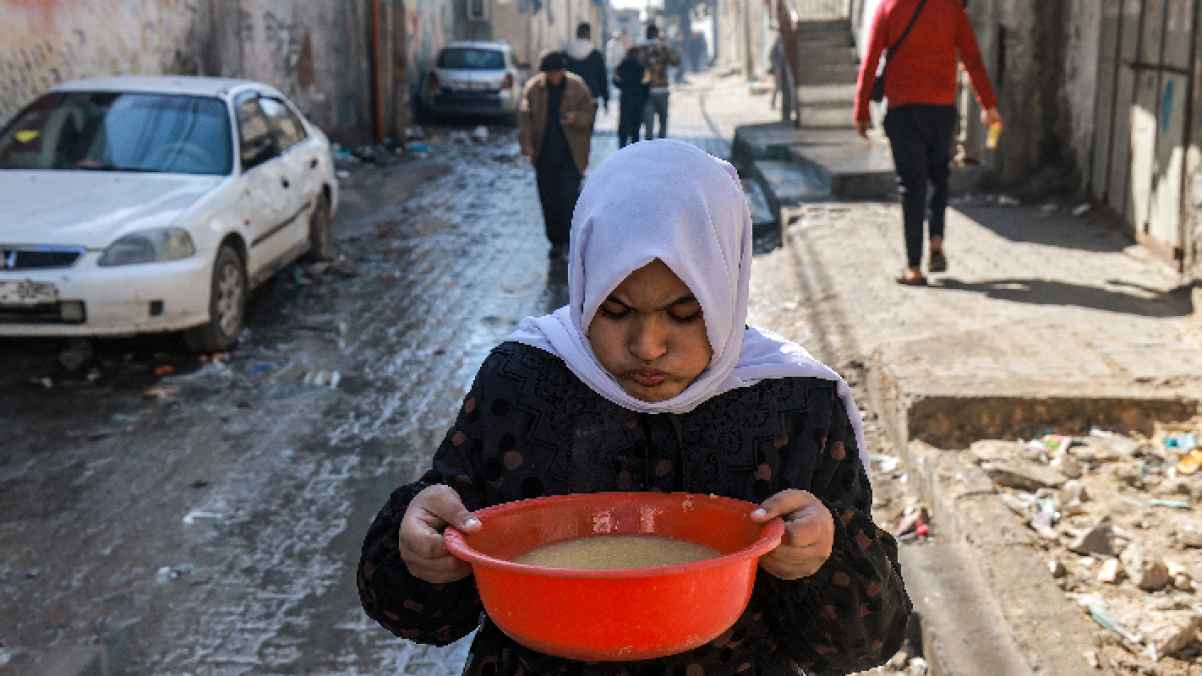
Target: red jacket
(924, 69)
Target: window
(284, 123)
(477, 10)
(471, 59)
(258, 141)
(117, 131)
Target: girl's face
(650, 334)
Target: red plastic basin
(616, 615)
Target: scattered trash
(322, 378)
(460, 137)
(259, 368)
(164, 370)
(343, 174)
(199, 483)
(1190, 463)
(298, 277)
(420, 150)
(1182, 443)
(1157, 502)
(46, 382)
(480, 134)
(1082, 209)
(415, 134)
(344, 267)
(1098, 611)
(161, 393)
(169, 573)
(1008, 201)
(126, 419)
(886, 463)
(191, 517)
(77, 353)
(1050, 208)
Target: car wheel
(321, 242)
(227, 305)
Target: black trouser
(921, 137)
(630, 118)
(558, 189)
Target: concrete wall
(530, 34)
(319, 53)
(44, 42)
(745, 34)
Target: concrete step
(829, 74)
(787, 185)
(828, 56)
(826, 115)
(763, 218)
(844, 92)
(827, 26)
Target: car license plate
(27, 293)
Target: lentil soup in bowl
(616, 576)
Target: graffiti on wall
(43, 44)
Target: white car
(150, 204)
(481, 78)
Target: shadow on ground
(1147, 303)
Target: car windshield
(472, 59)
(114, 131)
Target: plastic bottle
(995, 134)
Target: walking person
(555, 132)
(656, 56)
(921, 40)
(629, 79)
(587, 62)
(615, 50)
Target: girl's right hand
(420, 539)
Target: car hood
(92, 208)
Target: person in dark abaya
(556, 122)
(650, 379)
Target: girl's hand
(809, 534)
(420, 538)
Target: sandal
(906, 280)
(937, 263)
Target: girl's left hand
(809, 534)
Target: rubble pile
(1118, 517)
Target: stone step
(828, 74)
(826, 115)
(827, 26)
(788, 184)
(815, 55)
(829, 93)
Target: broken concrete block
(1068, 466)
(1024, 476)
(1148, 571)
(1057, 569)
(992, 449)
(1170, 631)
(1111, 572)
(1190, 535)
(1098, 540)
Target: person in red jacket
(920, 85)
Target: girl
(649, 380)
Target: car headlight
(149, 246)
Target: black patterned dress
(529, 428)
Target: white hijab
(671, 201)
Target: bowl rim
(771, 534)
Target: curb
(998, 611)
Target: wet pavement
(208, 518)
